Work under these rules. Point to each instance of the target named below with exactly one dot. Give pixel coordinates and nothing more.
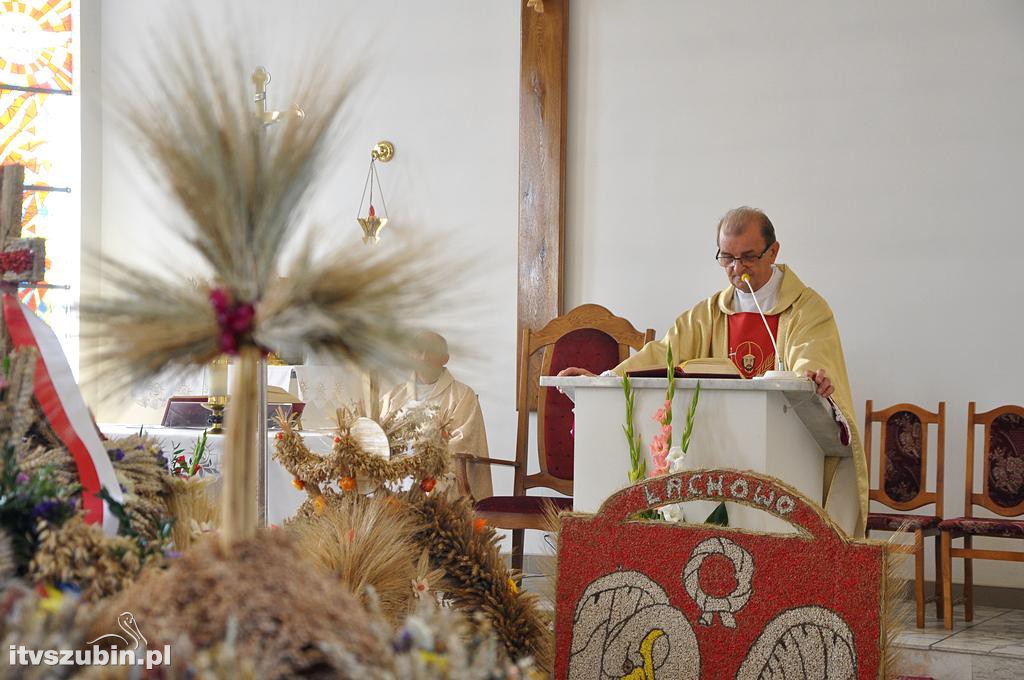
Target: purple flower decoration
(235, 320)
(21, 479)
(118, 454)
(403, 642)
(70, 588)
(44, 509)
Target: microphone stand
(780, 372)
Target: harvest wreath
(416, 442)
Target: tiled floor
(991, 646)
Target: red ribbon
(53, 408)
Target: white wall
(883, 139)
(441, 82)
(90, 80)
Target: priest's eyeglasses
(725, 259)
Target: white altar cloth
(284, 499)
(193, 380)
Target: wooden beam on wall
(543, 99)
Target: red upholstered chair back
(903, 455)
(1002, 460)
(589, 337)
(586, 348)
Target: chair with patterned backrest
(903, 483)
(589, 337)
(1002, 493)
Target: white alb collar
(767, 295)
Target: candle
(218, 378)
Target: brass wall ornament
(383, 151)
(373, 223)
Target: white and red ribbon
(61, 401)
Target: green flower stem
(198, 454)
(637, 466)
(684, 443)
(670, 391)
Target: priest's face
(751, 256)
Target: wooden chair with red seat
(1002, 493)
(589, 337)
(903, 484)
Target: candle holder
(216, 404)
(373, 223)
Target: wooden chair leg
(518, 541)
(947, 581)
(938, 576)
(968, 583)
(919, 576)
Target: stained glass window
(40, 129)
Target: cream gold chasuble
(460, 403)
(808, 340)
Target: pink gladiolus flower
(659, 449)
(662, 414)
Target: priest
(727, 325)
(458, 403)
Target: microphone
(780, 373)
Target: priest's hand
(825, 388)
(573, 371)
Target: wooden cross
(543, 99)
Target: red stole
(750, 348)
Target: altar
(283, 499)
(778, 427)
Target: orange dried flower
(480, 525)
(420, 587)
(347, 483)
(428, 484)
(298, 484)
